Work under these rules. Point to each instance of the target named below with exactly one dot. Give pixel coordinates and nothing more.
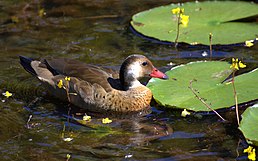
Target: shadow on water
(94, 32)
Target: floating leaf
(216, 17)
(249, 124)
(209, 76)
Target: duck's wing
(48, 69)
(105, 77)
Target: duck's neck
(128, 80)
(130, 83)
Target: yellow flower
(67, 78)
(185, 113)
(249, 43)
(15, 19)
(251, 153)
(210, 36)
(7, 94)
(86, 118)
(106, 121)
(184, 20)
(176, 10)
(241, 65)
(248, 150)
(60, 84)
(68, 156)
(236, 65)
(42, 12)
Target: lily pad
(216, 17)
(209, 84)
(249, 124)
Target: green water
(98, 32)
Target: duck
(97, 88)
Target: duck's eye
(144, 63)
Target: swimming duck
(95, 88)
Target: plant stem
(63, 135)
(201, 99)
(235, 96)
(210, 40)
(177, 34)
(69, 100)
(67, 90)
(28, 125)
(69, 106)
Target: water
(98, 32)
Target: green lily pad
(209, 76)
(216, 17)
(249, 124)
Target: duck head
(136, 67)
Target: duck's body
(94, 88)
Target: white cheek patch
(134, 70)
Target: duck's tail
(37, 69)
(26, 63)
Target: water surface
(98, 32)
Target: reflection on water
(97, 32)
